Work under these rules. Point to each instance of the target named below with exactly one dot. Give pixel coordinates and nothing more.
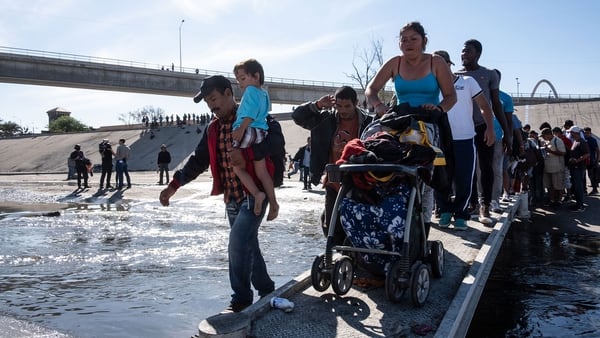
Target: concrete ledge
(234, 325)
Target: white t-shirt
(461, 115)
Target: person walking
(463, 133)
(106, 155)
(333, 120)
(121, 157)
(419, 80)
(303, 156)
(82, 173)
(246, 263)
(164, 158)
(490, 84)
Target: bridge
(33, 67)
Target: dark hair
(476, 44)
(417, 27)
(346, 93)
(251, 66)
(587, 129)
(545, 125)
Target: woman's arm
(384, 74)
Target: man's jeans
(121, 168)
(246, 263)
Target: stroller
(379, 207)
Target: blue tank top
(417, 92)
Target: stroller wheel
(320, 279)
(343, 274)
(436, 257)
(420, 284)
(396, 282)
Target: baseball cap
(210, 84)
(575, 129)
(445, 55)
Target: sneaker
(237, 307)
(484, 215)
(445, 219)
(505, 198)
(593, 192)
(495, 207)
(460, 224)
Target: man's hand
(237, 135)
(165, 195)
(325, 102)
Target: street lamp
(181, 24)
(517, 86)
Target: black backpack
(276, 145)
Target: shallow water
(135, 269)
(542, 285)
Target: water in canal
(136, 269)
(544, 284)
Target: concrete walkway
(452, 301)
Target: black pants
(485, 157)
(106, 172)
(82, 173)
(306, 177)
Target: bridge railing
(156, 66)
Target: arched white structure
(549, 84)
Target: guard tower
(55, 113)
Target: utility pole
(180, 66)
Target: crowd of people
(489, 156)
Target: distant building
(57, 112)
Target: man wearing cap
(246, 264)
(164, 158)
(79, 158)
(106, 155)
(580, 153)
(460, 117)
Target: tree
(366, 63)
(137, 115)
(10, 128)
(66, 124)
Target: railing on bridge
(156, 66)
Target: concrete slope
(49, 153)
(583, 114)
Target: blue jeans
(121, 168)
(246, 263)
(464, 169)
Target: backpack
(276, 145)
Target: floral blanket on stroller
(379, 226)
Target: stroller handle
(334, 171)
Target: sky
(306, 40)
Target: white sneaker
(505, 198)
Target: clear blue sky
(313, 40)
